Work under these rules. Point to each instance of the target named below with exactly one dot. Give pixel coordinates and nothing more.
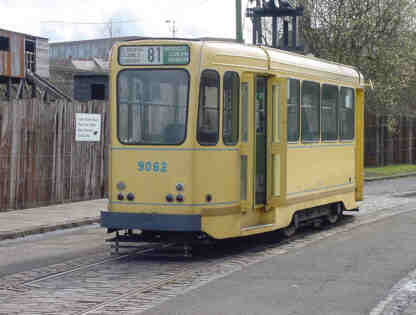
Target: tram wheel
(291, 229)
(333, 218)
(335, 214)
(317, 224)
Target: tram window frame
(131, 94)
(308, 123)
(296, 136)
(342, 105)
(200, 140)
(325, 132)
(235, 108)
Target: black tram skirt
(151, 221)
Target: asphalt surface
(349, 273)
(42, 250)
(345, 275)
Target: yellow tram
(215, 140)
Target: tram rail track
(162, 290)
(177, 277)
(25, 280)
(63, 273)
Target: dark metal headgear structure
(283, 9)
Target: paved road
(343, 273)
(389, 187)
(51, 248)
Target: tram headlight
(179, 187)
(130, 196)
(120, 196)
(169, 198)
(180, 198)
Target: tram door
(276, 131)
(261, 145)
(260, 126)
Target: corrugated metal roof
(26, 35)
(91, 66)
(124, 38)
(85, 65)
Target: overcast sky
(193, 18)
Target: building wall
(12, 62)
(86, 49)
(42, 57)
(63, 80)
(23, 52)
(83, 86)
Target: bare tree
(376, 36)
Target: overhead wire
(89, 23)
(203, 2)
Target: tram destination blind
(153, 55)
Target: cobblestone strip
(80, 291)
(15, 281)
(21, 282)
(399, 298)
(142, 300)
(138, 284)
(380, 203)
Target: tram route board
(153, 55)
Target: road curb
(47, 228)
(373, 179)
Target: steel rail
(63, 273)
(182, 280)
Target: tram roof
(261, 59)
(266, 59)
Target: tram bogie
(214, 140)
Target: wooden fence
(40, 161)
(389, 140)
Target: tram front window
(152, 106)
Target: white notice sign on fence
(87, 127)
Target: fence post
(14, 152)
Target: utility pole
(258, 24)
(239, 27)
(172, 27)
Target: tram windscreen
(152, 106)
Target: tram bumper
(151, 221)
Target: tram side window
(346, 113)
(208, 113)
(310, 111)
(231, 108)
(293, 92)
(329, 112)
